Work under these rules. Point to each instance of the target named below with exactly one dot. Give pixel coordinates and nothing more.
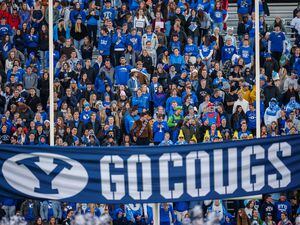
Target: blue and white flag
(151, 174)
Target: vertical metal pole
(257, 69)
(156, 216)
(51, 72)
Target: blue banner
(151, 174)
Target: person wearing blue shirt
(219, 80)
(204, 5)
(228, 50)
(85, 115)
(104, 43)
(217, 15)
(166, 214)
(246, 52)
(139, 101)
(108, 12)
(122, 72)
(251, 118)
(32, 41)
(282, 205)
(160, 127)
(77, 12)
(244, 8)
(191, 49)
(175, 43)
(206, 51)
(173, 98)
(276, 45)
(119, 41)
(92, 25)
(5, 28)
(135, 40)
(177, 60)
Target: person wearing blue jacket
(104, 43)
(160, 127)
(32, 41)
(166, 212)
(177, 60)
(122, 72)
(228, 50)
(139, 101)
(65, 29)
(77, 12)
(246, 52)
(175, 43)
(135, 40)
(276, 45)
(50, 208)
(130, 118)
(282, 205)
(100, 82)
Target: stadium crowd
(268, 211)
(140, 73)
(146, 73)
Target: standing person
(167, 216)
(30, 210)
(78, 32)
(70, 214)
(283, 206)
(276, 44)
(267, 207)
(141, 130)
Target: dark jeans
(277, 55)
(92, 32)
(142, 141)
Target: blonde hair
(77, 27)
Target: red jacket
(15, 21)
(5, 14)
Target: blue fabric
(100, 172)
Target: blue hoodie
(104, 45)
(74, 14)
(135, 41)
(4, 30)
(129, 121)
(244, 6)
(108, 13)
(122, 74)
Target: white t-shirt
(296, 24)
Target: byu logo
(45, 175)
